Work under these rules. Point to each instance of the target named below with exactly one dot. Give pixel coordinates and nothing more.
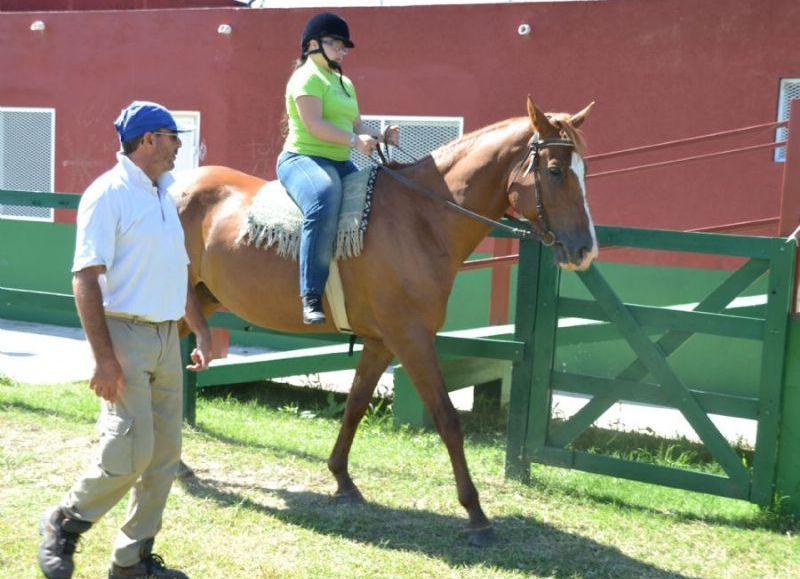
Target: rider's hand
(392, 135)
(365, 144)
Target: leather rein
(540, 230)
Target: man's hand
(107, 380)
(200, 359)
(201, 355)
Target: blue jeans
(315, 184)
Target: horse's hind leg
(372, 363)
(418, 356)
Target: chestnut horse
(397, 289)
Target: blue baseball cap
(141, 117)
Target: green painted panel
(656, 285)
(787, 480)
(468, 306)
(36, 256)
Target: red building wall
(658, 71)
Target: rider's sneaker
(312, 309)
(60, 536)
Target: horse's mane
(561, 121)
(467, 141)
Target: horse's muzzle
(575, 254)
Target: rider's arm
(310, 110)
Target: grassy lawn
(259, 503)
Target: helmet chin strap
(332, 64)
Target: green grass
(260, 502)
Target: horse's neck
(477, 175)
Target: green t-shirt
(338, 109)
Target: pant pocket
(116, 444)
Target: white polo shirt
(132, 228)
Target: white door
(189, 153)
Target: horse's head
(550, 191)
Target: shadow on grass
(765, 520)
(487, 428)
(280, 452)
(524, 544)
(71, 415)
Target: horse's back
(213, 181)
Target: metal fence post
(790, 191)
(189, 381)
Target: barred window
(418, 135)
(27, 152)
(790, 89)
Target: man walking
(130, 280)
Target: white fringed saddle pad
(274, 220)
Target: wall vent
(27, 153)
(418, 135)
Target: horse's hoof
(481, 537)
(351, 497)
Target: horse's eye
(555, 171)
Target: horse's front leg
(373, 362)
(418, 356)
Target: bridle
(544, 233)
(539, 230)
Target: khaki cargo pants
(140, 437)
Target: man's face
(167, 143)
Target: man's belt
(135, 319)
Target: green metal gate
(653, 335)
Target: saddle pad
(275, 220)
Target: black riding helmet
(325, 24)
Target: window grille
(790, 89)
(418, 135)
(27, 150)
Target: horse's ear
(578, 118)
(537, 117)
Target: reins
(397, 176)
(547, 237)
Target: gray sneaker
(60, 539)
(312, 309)
(151, 566)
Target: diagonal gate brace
(653, 358)
(715, 302)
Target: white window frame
(51, 213)
(784, 103)
(384, 120)
(192, 119)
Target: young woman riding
(324, 125)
